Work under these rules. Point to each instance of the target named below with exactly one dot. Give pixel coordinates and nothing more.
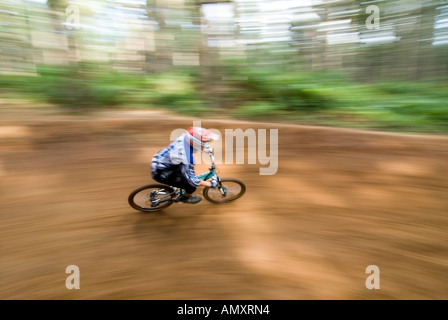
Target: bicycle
(155, 197)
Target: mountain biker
(174, 165)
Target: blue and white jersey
(178, 155)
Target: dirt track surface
(341, 200)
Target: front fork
(221, 188)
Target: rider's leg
(176, 179)
(188, 196)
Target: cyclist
(174, 165)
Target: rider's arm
(206, 184)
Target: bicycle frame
(212, 173)
(204, 176)
(212, 170)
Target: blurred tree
(160, 58)
(57, 14)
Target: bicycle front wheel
(151, 197)
(231, 190)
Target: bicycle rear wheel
(232, 190)
(151, 197)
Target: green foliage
(87, 86)
(332, 99)
(259, 109)
(250, 92)
(78, 87)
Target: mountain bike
(155, 197)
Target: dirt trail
(341, 200)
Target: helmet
(200, 137)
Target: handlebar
(212, 157)
(209, 150)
